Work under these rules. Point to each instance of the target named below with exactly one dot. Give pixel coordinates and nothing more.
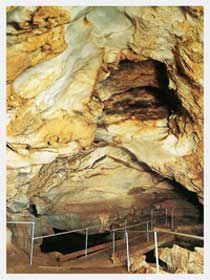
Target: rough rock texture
(13, 252)
(139, 265)
(98, 97)
(181, 260)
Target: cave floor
(98, 262)
(95, 263)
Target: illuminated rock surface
(181, 260)
(105, 104)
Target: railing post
(125, 224)
(151, 218)
(127, 251)
(156, 253)
(125, 228)
(86, 241)
(32, 243)
(166, 216)
(147, 231)
(113, 241)
(172, 219)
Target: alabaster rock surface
(102, 101)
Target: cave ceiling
(104, 110)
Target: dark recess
(71, 242)
(167, 96)
(188, 195)
(33, 210)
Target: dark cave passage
(72, 242)
(69, 243)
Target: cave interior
(105, 131)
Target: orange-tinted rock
(33, 50)
(130, 88)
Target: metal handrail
(112, 230)
(171, 232)
(181, 234)
(134, 225)
(20, 222)
(62, 233)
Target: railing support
(156, 253)
(172, 219)
(32, 244)
(167, 221)
(127, 251)
(147, 231)
(166, 216)
(125, 224)
(113, 242)
(125, 228)
(86, 241)
(151, 218)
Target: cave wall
(95, 94)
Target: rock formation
(105, 111)
(181, 260)
(139, 265)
